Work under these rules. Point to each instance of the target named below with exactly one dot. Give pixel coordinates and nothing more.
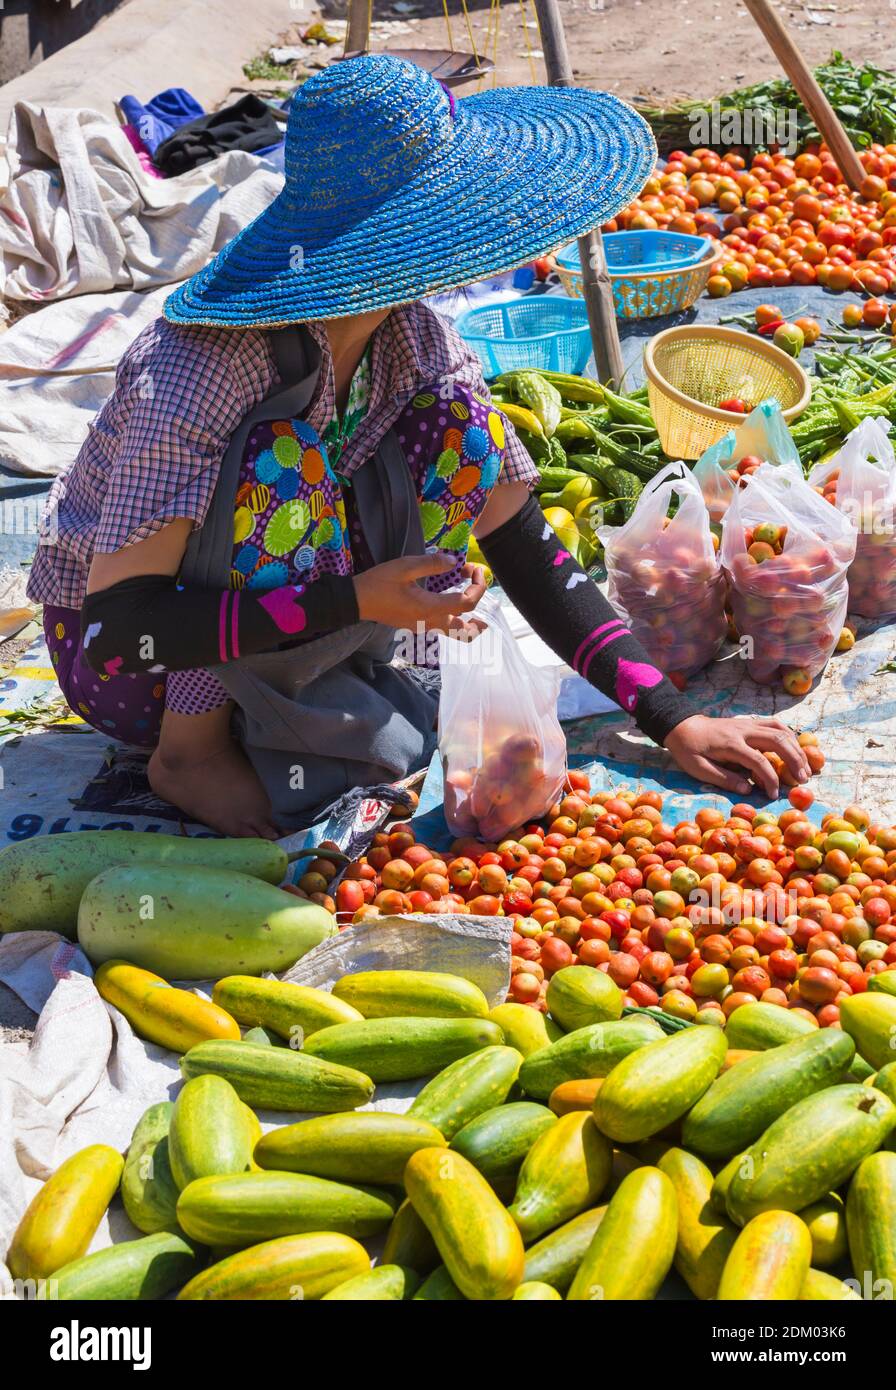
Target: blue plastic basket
(643, 251)
(542, 331)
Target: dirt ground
(662, 49)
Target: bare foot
(219, 789)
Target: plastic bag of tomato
(664, 574)
(787, 555)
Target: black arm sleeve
(152, 623)
(571, 615)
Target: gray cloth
(330, 714)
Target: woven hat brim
(527, 170)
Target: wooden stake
(596, 285)
(808, 90)
(357, 35)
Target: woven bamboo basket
(689, 370)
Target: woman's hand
(390, 593)
(721, 751)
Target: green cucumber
(278, 1078)
(386, 1283)
(439, 1287)
(588, 1052)
(402, 1049)
(871, 1224)
(148, 1189)
(809, 1151)
(241, 1209)
(497, 1141)
(744, 1101)
(409, 1243)
(370, 1146)
(209, 1131)
(658, 1084)
(555, 1258)
(467, 1088)
(141, 1269)
(760, 1026)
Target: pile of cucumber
(594, 450)
(578, 1154)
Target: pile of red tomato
(780, 221)
(701, 917)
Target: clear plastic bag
(763, 435)
(665, 577)
(860, 480)
(502, 748)
(789, 598)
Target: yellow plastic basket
(689, 370)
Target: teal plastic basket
(542, 331)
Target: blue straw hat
(395, 190)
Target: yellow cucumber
(171, 1017)
(369, 1146)
(533, 1292)
(477, 1239)
(148, 1189)
(819, 1287)
(632, 1250)
(385, 1284)
(467, 1088)
(62, 1217)
(769, 1260)
(411, 994)
(579, 995)
(564, 1172)
(704, 1238)
(870, 1020)
(526, 1029)
(658, 1084)
(294, 1267)
(210, 1131)
(291, 1011)
(826, 1222)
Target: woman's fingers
(759, 767)
(775, 737)
(705, 770)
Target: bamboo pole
(357, 35)
(813, 98)
(596, 286)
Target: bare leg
(199, 768)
